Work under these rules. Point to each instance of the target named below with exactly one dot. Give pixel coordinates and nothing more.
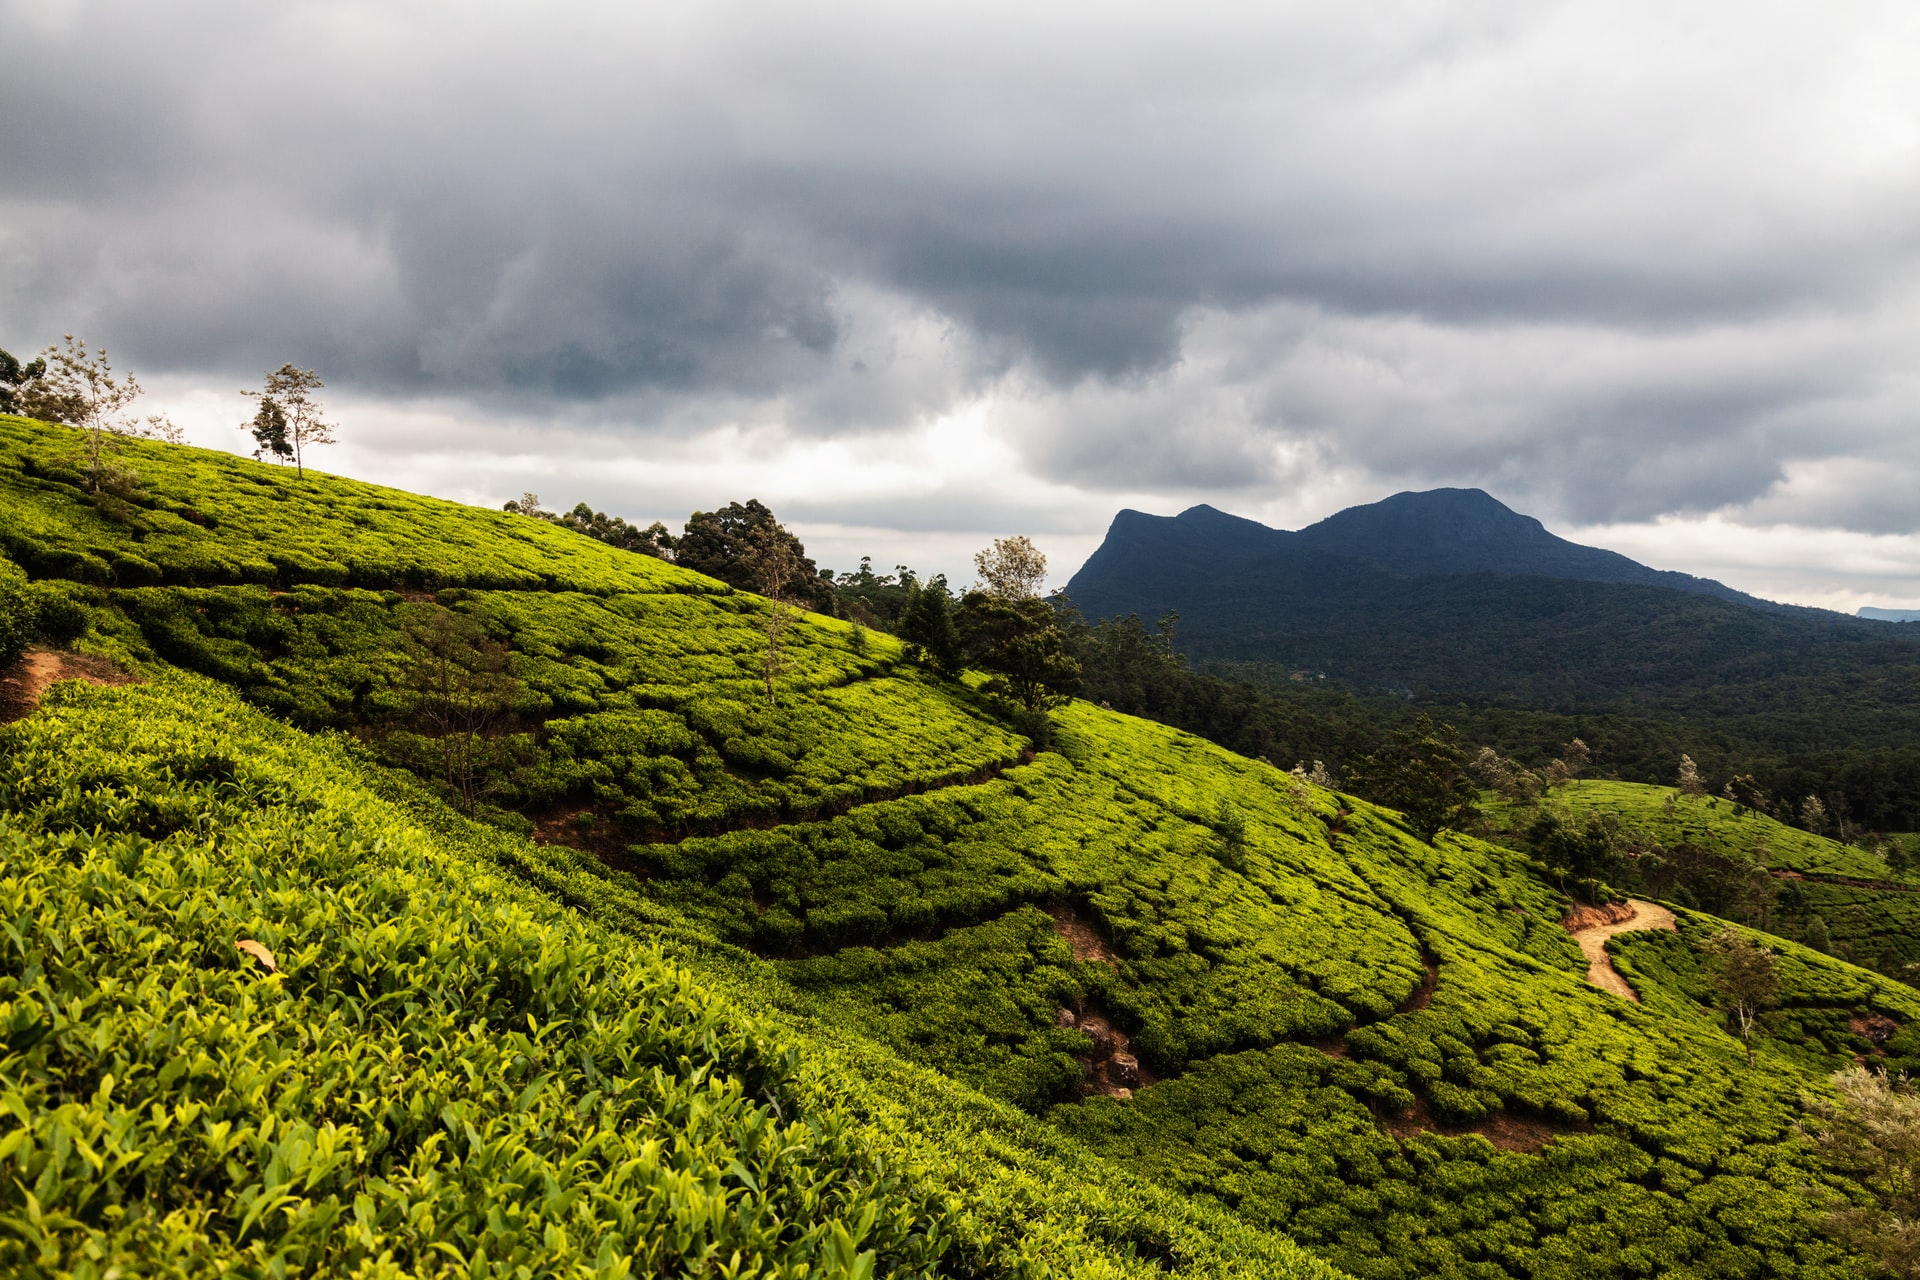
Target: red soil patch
(1589, 917)
(1423, 997)
(23, 684)
(1086, 944)
(1503, 1129)
(601, 836)
(1332, 1046)
(1875, 1027)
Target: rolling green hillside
(448, 1071)
(1224, 1003)
(1869, 912)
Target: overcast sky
(918, 276)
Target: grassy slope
(1876, 922)
(1719, 824)
(450, 1072)
(874, 859)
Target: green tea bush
(441, 1071)
(19, 616)
(437, 1076)
(211, 518)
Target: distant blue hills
(1889, 615)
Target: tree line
(1000, 625)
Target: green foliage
(876, 599)
(440, 1074)
(926, 624)
(654, 540)
(269, 427)
(19, 614)
(14, 375)
(1422, 772)
(1021, 643)
(643, 709)
(444, 1073)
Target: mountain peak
(1414, 534)
(1458, 531)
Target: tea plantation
(850, 979)
(438, 1069)
(1867, 910)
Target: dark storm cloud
(1202, 254)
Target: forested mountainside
(750, 967)
(1451, 594)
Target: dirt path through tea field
(1593, 943)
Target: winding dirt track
(1593, 944)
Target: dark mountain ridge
(1433, 533)
(1452, 593)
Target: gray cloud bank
(1611, 262)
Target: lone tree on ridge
(1012, 568)
(772, 561)
(1746, 979)
(288, 420)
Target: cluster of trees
(1002, 625)
(654, 540)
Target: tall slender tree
(289, 391)
(79, 388)
(772, 562)
(463, 697)
(1745, 978)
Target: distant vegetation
(1860, 903)
(1473, 613)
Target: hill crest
(1429, 533)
